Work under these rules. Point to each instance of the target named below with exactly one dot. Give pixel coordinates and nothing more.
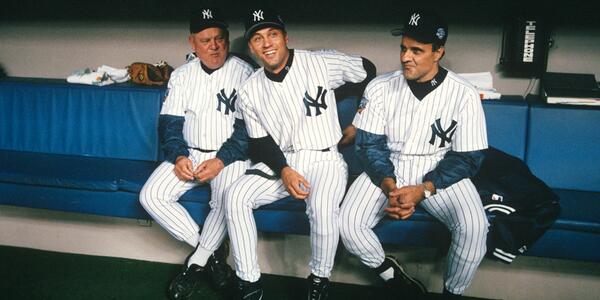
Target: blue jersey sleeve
(374, 155)
(236, 146)
(454, 167)
(170, 130)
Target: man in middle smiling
(290, 112)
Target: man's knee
(235, 200)
(472, 234)
(323, 216)
(348, 225)
(147, 198)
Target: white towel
(104, 75)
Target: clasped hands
(402, 201)
(204, 172)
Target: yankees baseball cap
(261, 18)
(206, 17)
(424, 26)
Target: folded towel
(104, 75)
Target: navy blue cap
(257, 19)
(206, 17)
(424, 26)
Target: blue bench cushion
(107, 203)
(67, 171)
(563, 146)
(580, 211)
(80, 172)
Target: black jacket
(523, 206)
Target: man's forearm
(170, 131)
(454, 167)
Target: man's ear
(439, 53)
(251, 49)
(191, 41)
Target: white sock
(387, 274)
(200, 257)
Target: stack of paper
(483, 83)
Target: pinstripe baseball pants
(161, 193)
(327, 174)
(458, 207)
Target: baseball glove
(148, 74)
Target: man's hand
(294, 183)
(348, 135)
(208, 169)
(183, 168)
(408, 198)
(395, 209)
(401, 212)
(388, 185)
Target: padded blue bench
(90, 149)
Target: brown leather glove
(148, 74)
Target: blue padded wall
(563, 146)
(506, 121)
(52, 116)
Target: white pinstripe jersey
(449, 118)
(207, 101)
(300, 112)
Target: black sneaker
(318, 287)
(184, 284)
(247, 290)
(218, 271)
(402, 283)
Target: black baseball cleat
(218, 271)
(402, 283)
(318, 287)
(247, 290)
(184, 284)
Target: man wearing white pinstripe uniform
(197, 118)
(420, 135)
(290, 112)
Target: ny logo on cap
(414, 19)
(206, 14)
(258, 15)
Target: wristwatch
(426, 192)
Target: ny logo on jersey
(445, 135)
(258, 15)
(314, 102)
(228, 101)
(414, 19)
(207, 14)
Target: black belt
(322, 150)
(202, 150)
